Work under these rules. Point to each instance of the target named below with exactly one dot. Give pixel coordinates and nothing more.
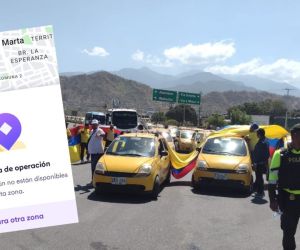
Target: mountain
(189, 81)
(91, 92)
(144, 75)
(70, 73)
(212, 86)
(206, 82)
(196, 81)
(264, 84)
(219, 102)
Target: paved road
(180, 219)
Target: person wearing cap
(260, 160)
(110, 135)
(252, 138)
(84, 137)
(284, 187)
(95, 144)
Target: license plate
(118, 181)
(220, 176)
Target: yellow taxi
(168, 138)
(224, 160)
(184, 141)
(136, 162)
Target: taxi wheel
(195, 185)
(98, 191)
(249, 189)
(168, 179)
(156, 188)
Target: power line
(288, 91)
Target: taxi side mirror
(198, 149)
(164, 153)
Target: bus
(89, 116)
(122, 119)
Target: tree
(216, 120)
(172, 122)
(239, 117)
(177, 113)
(278, 107)
(266, 107)
(251, 108)
(158, 117)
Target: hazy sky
(258, 37)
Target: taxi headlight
(145, 170)
(242, 169)
(100, 168)
(202, 165)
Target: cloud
(190, 54)
(140, 56)
(205, 53)
(96, 51)
(280, 70)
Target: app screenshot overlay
(36, 184)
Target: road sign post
(164, 95)
(177, 97)
(189, 98)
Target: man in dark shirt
(260, 159)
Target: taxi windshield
(186, 135)
(132, 146)
(225, 146)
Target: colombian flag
(275, 134)
(182, 164)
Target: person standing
(69, 134)
(284, 187)
(252, 138)
(260, 159)
(84, 137)
(95, 144)
(110, 136)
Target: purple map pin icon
(10, 130)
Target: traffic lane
(104, 224)
(181, 218)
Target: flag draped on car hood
(182, 164)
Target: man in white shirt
(95, 145)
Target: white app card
(36, 184)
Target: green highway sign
(164, 95)
(189, 98)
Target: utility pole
(286, 113)
(183, 114)
(199, 114)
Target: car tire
(195, 185)
(249, 189)
(168, 179)
(98, 191)
(156, 188)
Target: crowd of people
(283, 175)
(91, 142)
(282, 172)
